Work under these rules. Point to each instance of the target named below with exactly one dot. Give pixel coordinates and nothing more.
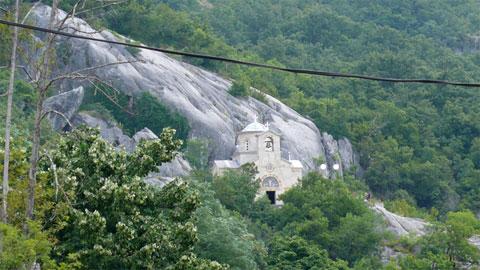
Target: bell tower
(258, 144)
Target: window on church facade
(269, 144)
(246, 145)
(270, 182)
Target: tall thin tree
(8, 120)
(41, 90)
(43, 82)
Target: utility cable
(246, 63)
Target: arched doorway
(270, 184)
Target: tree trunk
(41, 90)
(32, 172)
(8, 120)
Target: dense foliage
(134, 113)
(20, 251)
(237, 189)
(109, 218)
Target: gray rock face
(401, 225)
(348, 157)
(475, 240)
(389, 254)
(175, 168)
(198, 95)
(144, 134)
(66, 103)
(114, 135)
(331, 155)
(108, 130)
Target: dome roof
(255, 127)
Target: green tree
(366, 238)
(224, 235)
(328, 216)
(236, 189)
(136, 112)
(197, 153)
(291, 253)
(20, 251)
(109, 218)
(239, 89)
(450, 240)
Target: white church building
(257, 144)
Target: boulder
(108, 130)
(400, 225)
(62, 107)
(144, 134)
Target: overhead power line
(246, 63)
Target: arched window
(269, 144)
(270, 182)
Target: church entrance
(271, 196)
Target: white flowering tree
(106, 217)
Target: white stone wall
(242, 154)
(282, 171)
(269, 163)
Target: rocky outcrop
(389, 254)
(169, 171)
(348, 158)
(144, 134)
(175, 168)
(61, 108)
(200, 96)
(401, 225)
(475, 240)
(108, 130)
(114, 135)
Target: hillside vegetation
(415, 140)
(419, 144)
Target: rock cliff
(400, 225)
(199, 95)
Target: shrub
(144, 111)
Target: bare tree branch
(51, 37)
(93, 80)
(109, 97)
(101, 7)
(59, 113)
(72, 76)
(21, 67)
(70, 14)
(30, 11)
(75, 30)
(89, 69)
(42, 72)
(53, 167)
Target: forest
(419, 145)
